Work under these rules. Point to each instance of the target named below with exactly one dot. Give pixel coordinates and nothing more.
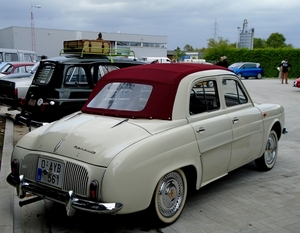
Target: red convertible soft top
(164, 78)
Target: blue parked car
(247, 69)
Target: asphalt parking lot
(246, 200)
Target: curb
(7, 191)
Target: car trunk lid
(92, 139)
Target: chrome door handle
(200, 130)
(235, 120)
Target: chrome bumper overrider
(30, 123)
(69, 199)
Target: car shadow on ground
(89, 222)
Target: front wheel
(240, 76)
(170, 196)
(267, 161)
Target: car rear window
(44, 74)
(122, 96)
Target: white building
(49, 42)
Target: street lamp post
(238, 37)
(32, 27)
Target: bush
(269, 59)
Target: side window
(252, 65)
(204, 97)
(104, 69)
(19, 69)
(109, 68)
(233, 93)
(11, 57)
(28, 68)
(98, 71)
(76, 77)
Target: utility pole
(32, 27)
(215, 29)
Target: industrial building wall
(49, 42)
(6, 39)
(149, 52)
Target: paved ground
(246, 200)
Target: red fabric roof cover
(164, 78)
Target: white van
(201, 61)
(160, 59)
(8, 55)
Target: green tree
(188, 48)
(259, 43)
(217, 48)
(220, 43)
(276, 40)
(178, 54)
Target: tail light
(16, 92)
(15, 168)
(45, 104)
(94, 189)
(22, 102)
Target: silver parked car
(13, 87)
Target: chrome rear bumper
(69, 199)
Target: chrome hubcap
(271, 149)
(170, 194)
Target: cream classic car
(146, 135)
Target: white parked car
(146, 135)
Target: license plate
(32, 102)
(50, 172)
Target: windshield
(122, 96)
(6, 68)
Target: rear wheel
(259, 76)
(170, 196)
(267, 161)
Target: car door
(246, 70)
(252, 69)
(212, 129)
(246, 123)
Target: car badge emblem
(40, 102)
(58, 145)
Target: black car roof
(69, 59)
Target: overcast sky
(184, 22)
